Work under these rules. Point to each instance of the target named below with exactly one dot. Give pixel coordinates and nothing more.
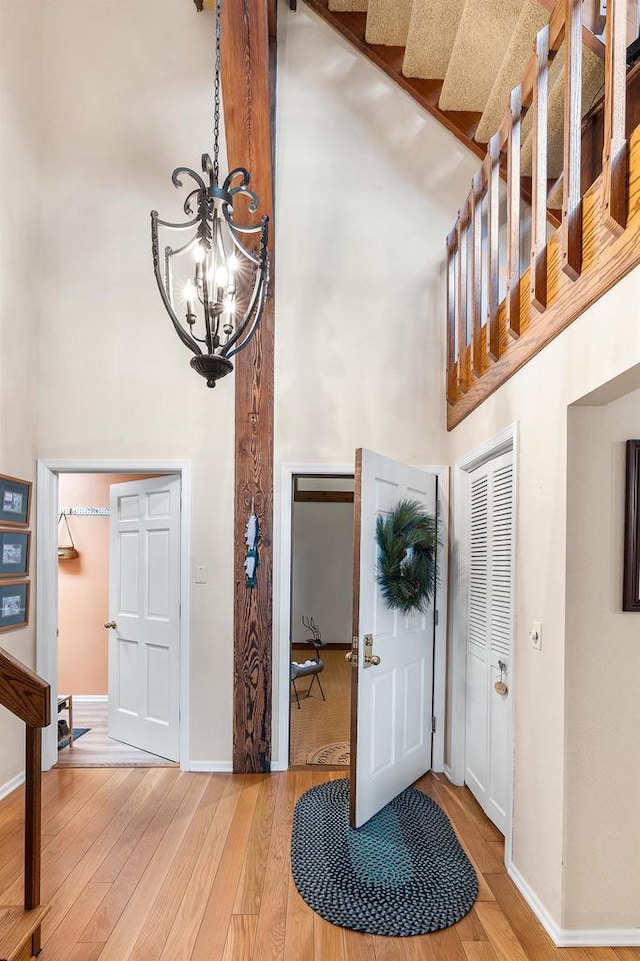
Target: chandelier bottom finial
(211, 366)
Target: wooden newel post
(33, 824)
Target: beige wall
(133, 101)
(600, 345)
(20, 76)
(602, 668)
(83, 584)
(322, 570)
(368, 187)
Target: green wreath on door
(407, 541)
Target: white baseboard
(446, 770)
(211, 767)
(572, 938)
(90, 698)
(10, 786)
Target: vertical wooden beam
(571, 229)
(538, 273)
(477, 191)
(461, 300)
(513, 213)
(614, 157)
(246, 64)
(452, 376)
(493, 259)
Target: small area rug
(403, 873)
(337, 753)
(77, 732)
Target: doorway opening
(84, 694)
(112, 613)
(320, 618)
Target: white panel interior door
(391, 703)
(144, 607)
(489, 635)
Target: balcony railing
(499, 315)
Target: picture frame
(15, 550)
(15, 501)
(14, 604)
(631, 576)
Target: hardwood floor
(159, 865)
(96, 748)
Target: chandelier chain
(216, 108)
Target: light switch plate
(201, 574)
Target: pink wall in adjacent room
(83, 585)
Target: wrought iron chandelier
(214, 282)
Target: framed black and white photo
(14, 553)
(15, 501)
(631, 581)
(14, 605)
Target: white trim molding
(90, 698)
(281, 668)
(442, 606)
(211, 767)
(47, 579)
(12, 785)
(572, 938)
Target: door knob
(349, 656)
(374, 660)
(109, 624)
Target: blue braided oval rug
(402, 873)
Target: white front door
(489, 633)
(144, 611)
(391, 703)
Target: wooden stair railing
(597, 242)
(28, 697)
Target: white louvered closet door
(489, 635)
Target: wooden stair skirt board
(17, 927)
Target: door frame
(503, 442)
(283, 579)
(49, 470)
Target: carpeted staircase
(478, 49)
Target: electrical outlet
(535, 635)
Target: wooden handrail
(23, 692)
(27, 696)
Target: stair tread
(432, 33)
(388, 22)
(348, 6)
(484, 34)
(532, 18)
(16, 926)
